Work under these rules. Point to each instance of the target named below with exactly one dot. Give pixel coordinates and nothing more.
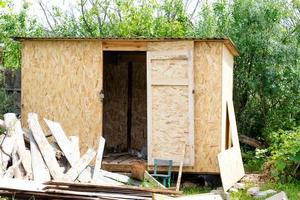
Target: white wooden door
(170, 105)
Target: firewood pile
(32, 166)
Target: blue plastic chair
(166, 178)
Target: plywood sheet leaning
(170, 102)
(66, 85)
(230, 160)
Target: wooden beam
(21, 149)
(124, 46)
(39, 169)
(62, 140)
(80, 165)
(179, 176)
(44, 147)
(99, 157)
(76, 150)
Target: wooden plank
(115, 176)
(152, 180)
(99, 157)
(44, 147)
(230, 160)
(19, 172)
(18, 184)
(114, 188)
(124, 46)
(86, 175)
(179, 176)
(80, 165)
(7, 141)
(76, 149)
(21, 150)
(39, 169)
(10, 171)
(231, 167)
(62, 140)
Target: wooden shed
(159, 97)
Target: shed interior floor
(125, 103)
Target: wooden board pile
(32, 166)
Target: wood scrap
(39, 168)
(80, 165)
(11, 170)
(19, 171)
(99, 157)
(44, 147)
(62, 140)
(179, 176)
(21, 149)
(75, 142)
(153, 181)
(118, 177)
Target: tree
(266, 74)
(11, 25)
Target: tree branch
(46, 16)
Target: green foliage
(12, 24)
(284, 154)
(254, 160)
(266, 74)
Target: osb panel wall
(208, 91)
(61, 81)
(116, 101)
(227, 88)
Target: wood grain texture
(61, 81)
(40, 171)
(168, 105)
(208, 91)
(227, 88)
(45, 148)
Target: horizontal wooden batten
(177, 82)
(124, 46)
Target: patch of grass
(292, 190)
(195, 190)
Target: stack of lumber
(31, 165)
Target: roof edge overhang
(227, 41)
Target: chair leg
(164, 182)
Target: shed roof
(227, 41)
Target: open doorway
(124, 105)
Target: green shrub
(254, 160)
(8, 103)
(284, 154)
